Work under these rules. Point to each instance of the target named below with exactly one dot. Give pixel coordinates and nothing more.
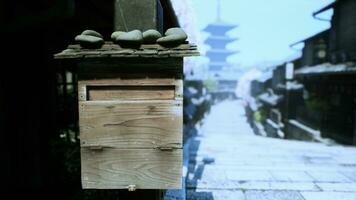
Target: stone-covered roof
(110, 49)
(327, 68)
(270, 99)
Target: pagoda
(218, 41)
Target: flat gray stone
(273, 195)
(151, 36)
(244, 175)
(215, 194)
(90, 42)
(351, 175)
(130, 39)
(338, 187)
(329, 195)
(115, 34)
(211, 184)
(173, 37)
(265, 168)
(92, 33)
(176, 31)
(328, 177)
(290, 186)
(290, 175)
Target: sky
(266, 28)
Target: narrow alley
(227, 161)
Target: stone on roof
(113, 50)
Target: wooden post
(138, 14)
(354, 127)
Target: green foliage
(259, 116)
(210, 84)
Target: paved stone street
(250, 167)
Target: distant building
(218, 68)
(218, 41)
(327, 69)
(343, 28)
(316, 49)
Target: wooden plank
(179, 89)
(131, 124)
(102, 93)
(114, 50)
(126, 80)
(112, 168)
(354, 141)
(82, 92)
(129, 82)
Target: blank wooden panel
(128, 81)
(97, 93)
(131, 124)
(145, 168)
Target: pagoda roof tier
(219, 28)
(216, 67)
(223, 64)
(220, 39)
(220, 52)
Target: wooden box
(131, 124)
(130, 115)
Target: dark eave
(325, 8)
(311, 37)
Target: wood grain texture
(102, 93)
(131, 124)
(129, 82)
(113, 168)
(130, 117)
(175, 87)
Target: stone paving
(250, 167)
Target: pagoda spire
(218, 13)
(218, 40)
